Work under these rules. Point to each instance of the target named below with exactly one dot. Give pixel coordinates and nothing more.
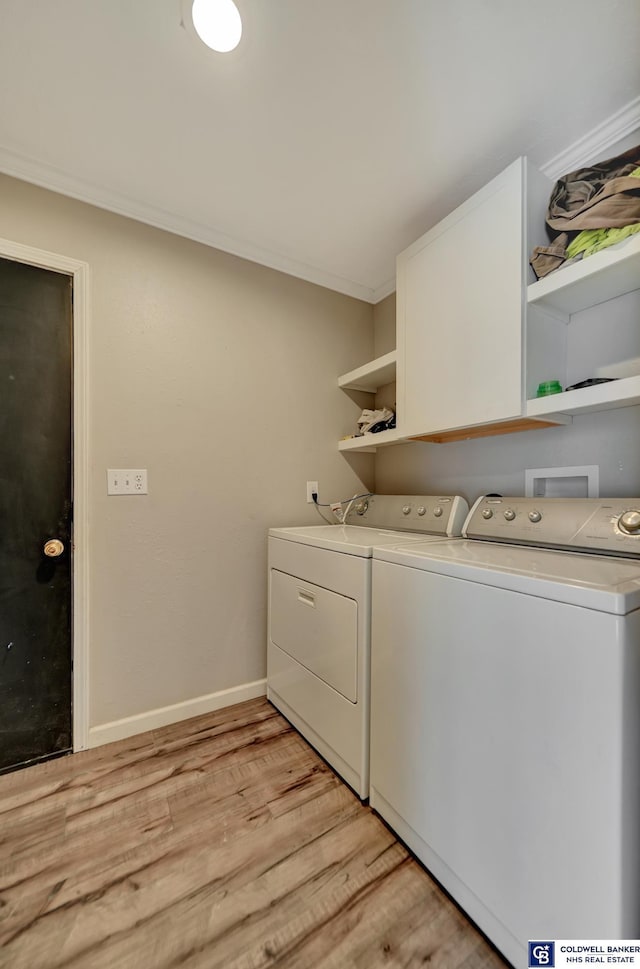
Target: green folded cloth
(593, 240)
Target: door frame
(79, 271)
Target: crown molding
(624, 122)
(55, 180)
(618, 126)
(381, 292)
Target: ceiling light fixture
(217, 24)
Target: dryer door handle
(307, 598)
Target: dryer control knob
(406, 509)
(509, 514)
(534, 516)
(422, 511)
(629, 522)
(487, 513)
(437, 511)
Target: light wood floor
(222, 841)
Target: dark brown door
(35, 508)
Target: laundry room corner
(475, 467)
(218, 377)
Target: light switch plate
(127, 481)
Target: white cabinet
(460, 323)
(476, 334)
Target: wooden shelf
(371, 442)
(372, 375)
(605, 275)
(617, 393)
(492, 430)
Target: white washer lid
(351, 539)
(594, 581)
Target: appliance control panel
(607, 525)
(432, 514)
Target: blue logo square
(542, 954)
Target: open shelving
(605, 275)
(617, 393)
(371, 442)
(371, 376)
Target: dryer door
(318, 628)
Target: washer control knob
(406, 509)
(509, 514)
(534, 516)
(437, 511)
(629, 522)
(487, 513)
(422, 511)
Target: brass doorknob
(53, 548)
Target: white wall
(497, 464)
(219, 376)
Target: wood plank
(489, 430)
(221, 841)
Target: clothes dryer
(319, 619)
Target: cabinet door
(460, 312)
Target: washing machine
(505, 720)
(319, 619)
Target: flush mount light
(217, 24)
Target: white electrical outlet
(312, 489)
(127, 481)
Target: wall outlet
(127, 481)
(312, 489)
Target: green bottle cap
(549, 387)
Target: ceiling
(337, 132)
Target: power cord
(317, 508)
(347, 510)
(343, 501)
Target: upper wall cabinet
(476, 334)
(460, 306)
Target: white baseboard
(106, 733)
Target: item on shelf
(549, 387)
(590, 241)
(591, 382)
(384, 425)
(625, 368)
(603, 196)
(372, 421)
